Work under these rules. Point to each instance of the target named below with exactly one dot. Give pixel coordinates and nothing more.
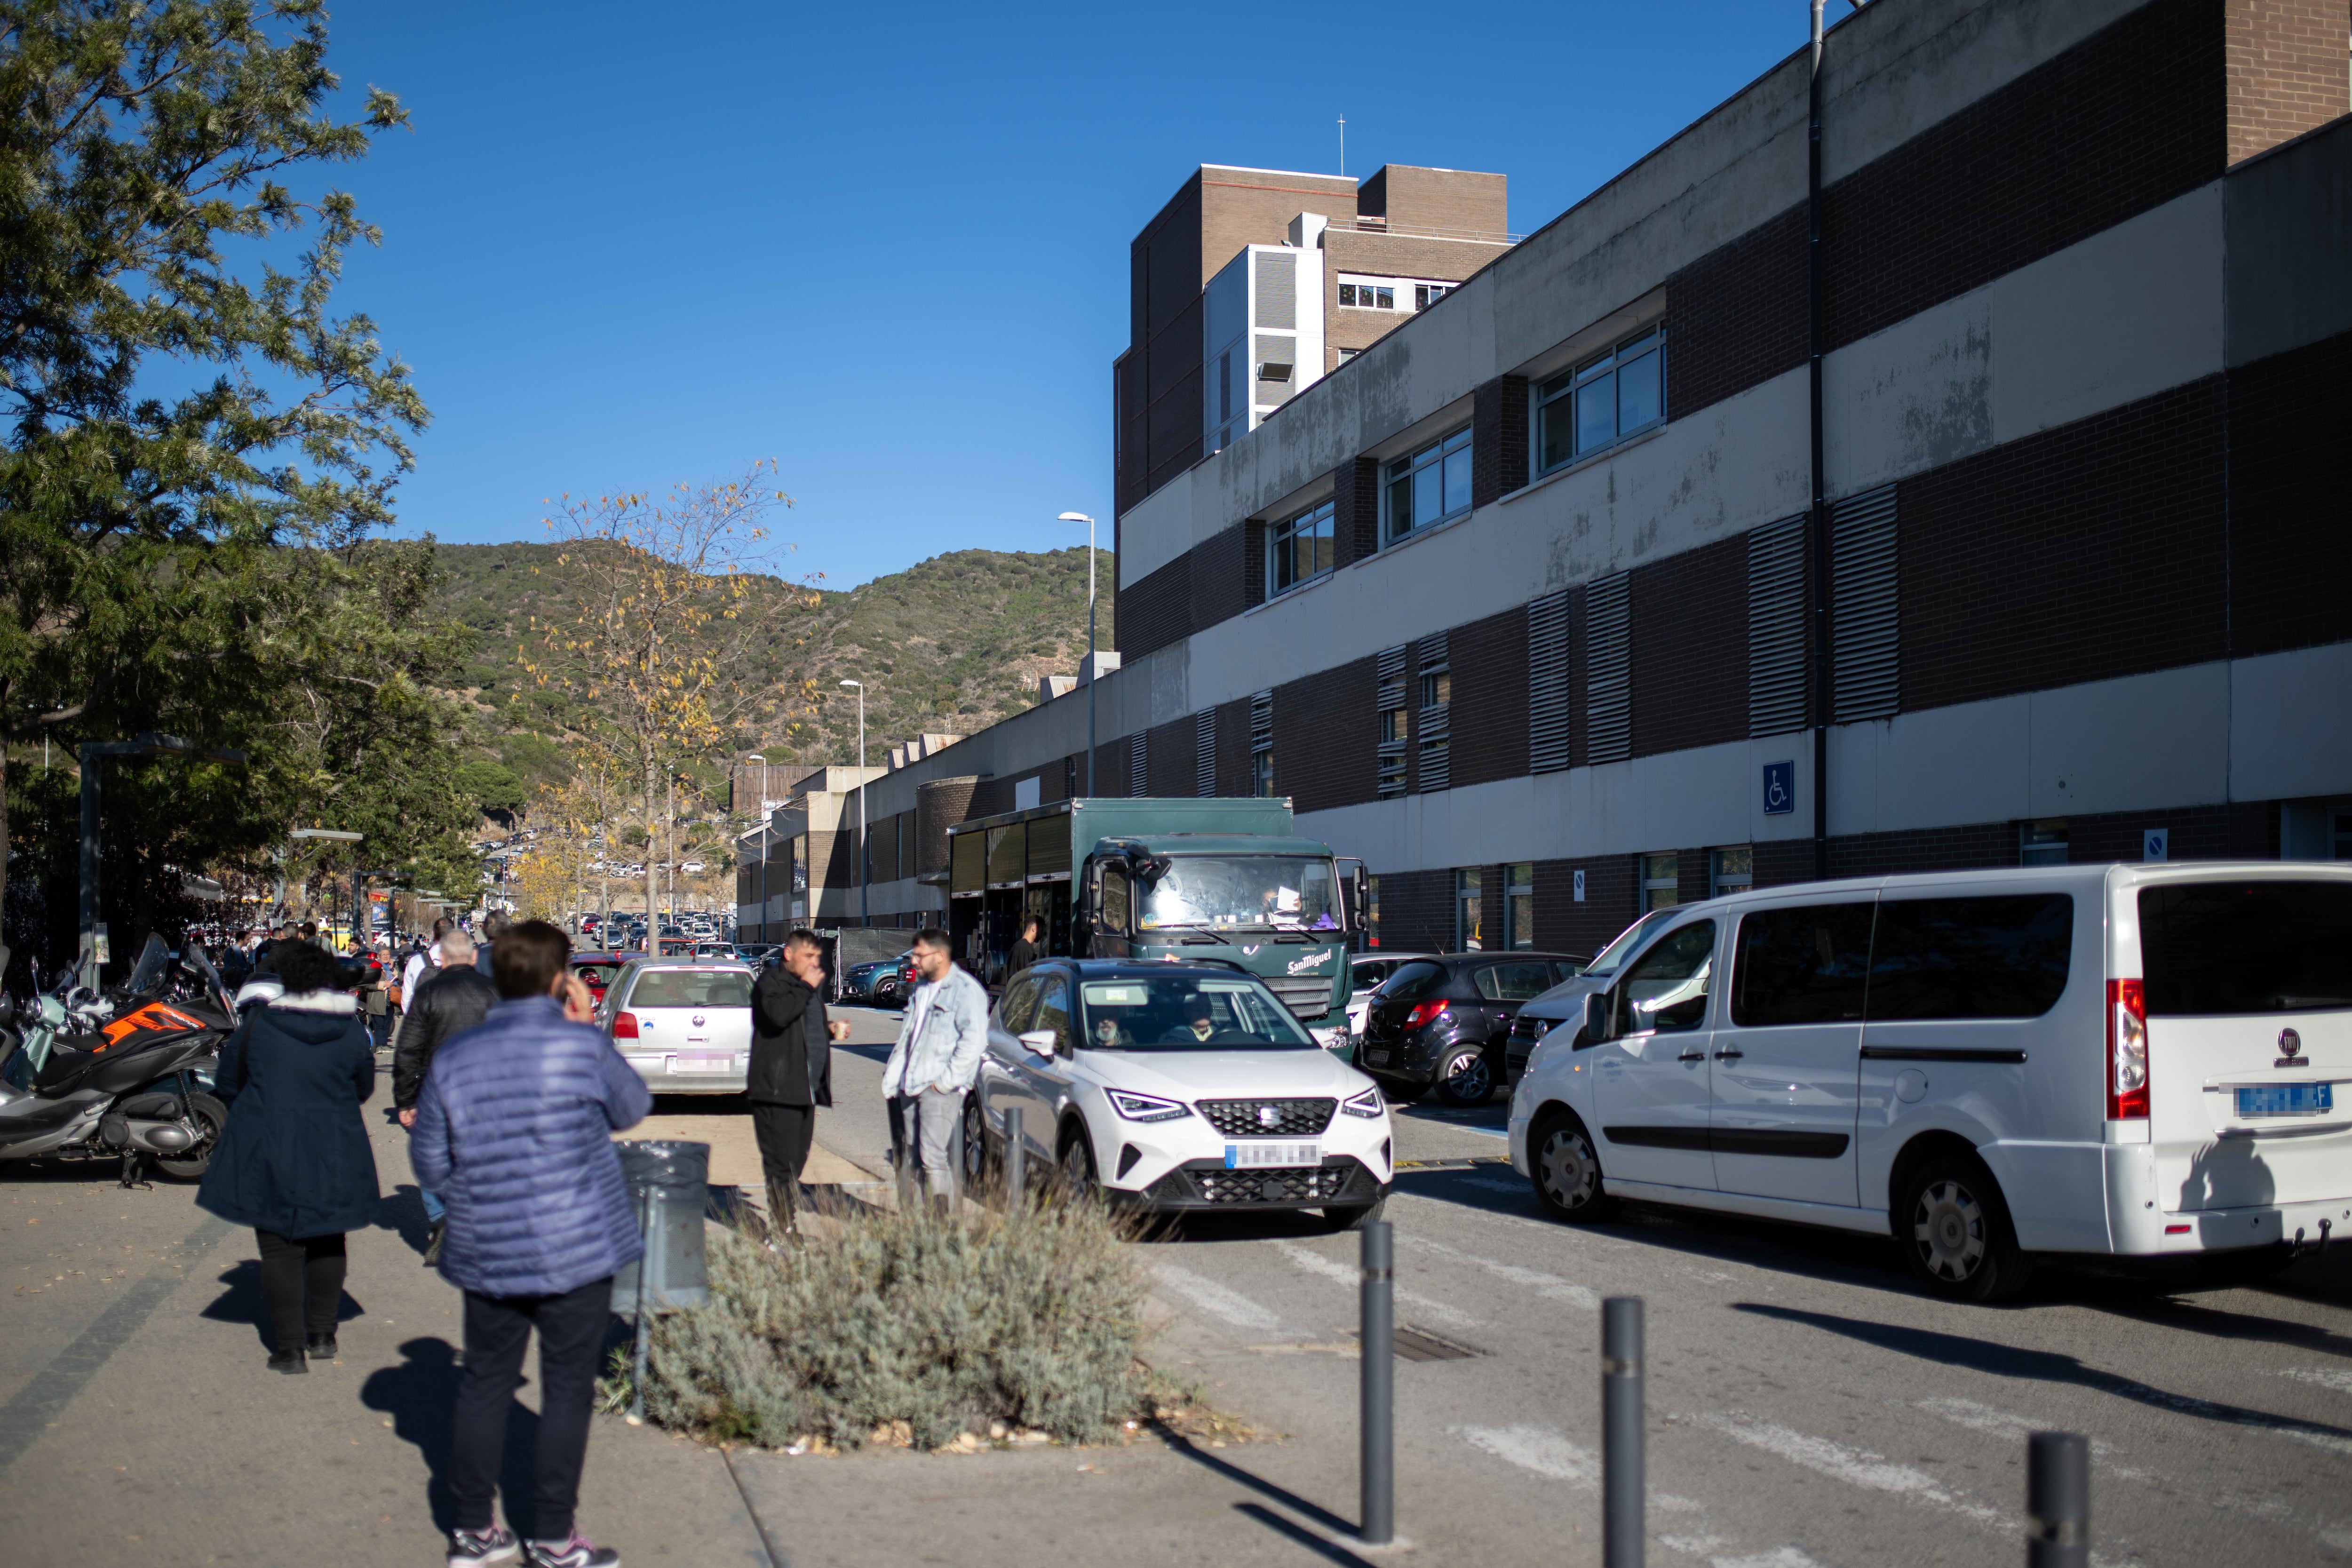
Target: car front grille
(1309, 996)
(1528, 1029)
(1247, 1118)
(1338, 1181)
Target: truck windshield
(1187, 1011)
(1288, 893)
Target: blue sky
(886, 247)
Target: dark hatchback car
(884, 981)
(1442, 1024)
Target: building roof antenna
(1343, 146)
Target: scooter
(123, 1075)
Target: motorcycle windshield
(203, 963)
(155, 960)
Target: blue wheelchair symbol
(1780, 788)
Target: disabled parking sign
(1780, 788)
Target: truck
(1174, 878)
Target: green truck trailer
(1178, 878)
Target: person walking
(1026, 949)
(494, 925)
(293, 1161)
(514, 1130)
(792, 1067)
(932, 1067)
(450, 1001)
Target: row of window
(1582, 411)
(1362, 296)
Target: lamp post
(761, 759)
(864, 891)
(358, 876)
(1091, 672)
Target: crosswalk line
(1537, 1448)
(1853, 1466)
(1215, 1300)
(2015, 1429)
(1333, 1270)
(1552, 1287)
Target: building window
(1435, 728)
(1603, 401)
(1424, 295)
(1469, 909)
(2041, 844)
(1262, 744)
(1394, 732)
(1731, 871)
(1427, 487)
(1346, 354)
(1299, 550)
(1368, 296)
(1519, 902)
(1661, 881)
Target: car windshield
(692, 988)
(1288, 892)
(1612, 957)
(1179, 1012)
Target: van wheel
(1567, 1170)
(1464, 1078)
(1954, 1228)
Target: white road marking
(1348, 1274)
(1779, 1557)
(1552, 1287)
(1852, 1465)
(2324, 1376)
(1215, 1300)
(1693, 1545)
(1538, 1448)
(2011, 1429)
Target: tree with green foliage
(193, 448)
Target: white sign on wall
(2156, 844)
(1024, 794)
(1580, 887)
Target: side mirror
(1038, 1042)
(1596, 1013)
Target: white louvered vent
(1204, 752)
(1776, 628)
(1262, 744)
(1139, 763)
(1608, 670)
(1390, 716)
(1864, 633)
(1548, 684)
(1433, 730)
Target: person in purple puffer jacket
(514, 1131)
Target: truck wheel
(1465, 1077)
(1955, 1232)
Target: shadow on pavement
(402, 1211)
(418, 1395)
(1282, 1495)
(241, 1301)
(2045, 1366)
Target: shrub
(1033, 1319)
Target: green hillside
(953, 644)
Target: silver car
(685, 1024)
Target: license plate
(2286, 1100)
(1377, 1059)
(704, 1064)
(1251, 1156)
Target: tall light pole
(1091, 672)
(762, 761)
(864, 889)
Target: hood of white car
(1216, 1074)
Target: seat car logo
(1312, 961)
(2290, 1048)
(1268, 1116)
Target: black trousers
(299, 1275)
(784, 1132)
(498, 1329)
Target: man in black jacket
(791, 1067)
(448, 1001)
(1026, 950)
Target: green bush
(1033, 1319)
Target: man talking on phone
(792, 1067)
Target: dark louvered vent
(1776, 628)
(1278, 289)
(1863, 625)
(1139, 764)
(1433, 731)
(1608, 670)
(1204, 752)
(1390, 719)
(1262, 743)
(1548, 684)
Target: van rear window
(2209, 948)
(1970, 958)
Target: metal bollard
(2057, 1500)
(1377, 1417)
(1016, 1159)
(1623, 1503)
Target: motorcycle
(125, 1074)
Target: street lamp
(1091, 672)
(864, 891)
(761, 759)
(358, 876)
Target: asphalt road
(1807, 1406)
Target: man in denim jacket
(936, 1060)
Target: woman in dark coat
(294, 1161)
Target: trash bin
(667, 1181)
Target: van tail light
(624, 1026)
(1423, 1013)
(2127, 1051)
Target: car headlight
(1146, 1106)
(1367, 1104)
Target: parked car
(684, 1024)
(2137, 1060)
(883, 982)
(1172, 1086)
(1365, 973)
(1564, 1003)
(1442, 1022)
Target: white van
(2129, 1060)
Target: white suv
(2132, 1060)
(1173, 1086)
